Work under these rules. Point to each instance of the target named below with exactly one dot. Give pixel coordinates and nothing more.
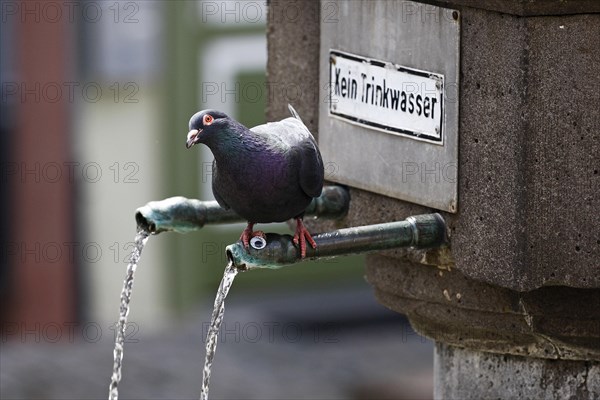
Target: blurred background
(96, 98)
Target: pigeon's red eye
(208, 119)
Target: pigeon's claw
(248, 234)
(301, 236)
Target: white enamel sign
(389, 100)
(385, 96)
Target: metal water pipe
(182, 215)
(276, 251)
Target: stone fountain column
(514, 302)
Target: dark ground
(334, 345)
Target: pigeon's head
(206, 124)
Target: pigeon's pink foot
(248, 234)
(301, 236)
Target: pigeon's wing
(306, 154)
(311, 168)
(292, 137)
(215, 189)
(311, 164)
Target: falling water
(140, 241)
(215, 323)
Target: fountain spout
(182, 215)
(420, 231)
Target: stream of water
(215, 323)
(211, 338)
(140, 241)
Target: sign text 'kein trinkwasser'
(385, 96)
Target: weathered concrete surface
(552, 322)
(465, 374)
(528, 175)
(293, 60)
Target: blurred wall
(40, 276)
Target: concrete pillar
(461, 373)
(514, 301)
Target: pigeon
(269, 173)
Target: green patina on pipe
(182, 215)
(420, 231)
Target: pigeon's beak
(192, 138)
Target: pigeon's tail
(294, 113)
